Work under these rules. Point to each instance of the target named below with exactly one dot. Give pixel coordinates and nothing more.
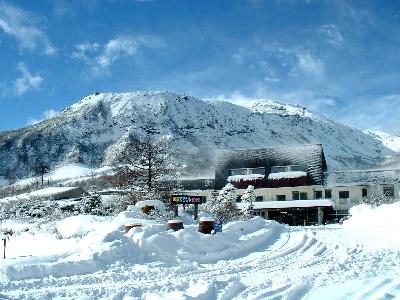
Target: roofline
(362, 170)
(272, 147)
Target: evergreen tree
(223, 207)
(248, 198)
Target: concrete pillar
(320, 214)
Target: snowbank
(156, 203)
(90, 244)
(70, 171)
(384, 218)
(283, 175)
(237, 178)
(236, 240)
(78, 225)
(374, 227)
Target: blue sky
(337, 58)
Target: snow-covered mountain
(96, 129)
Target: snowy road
(252, 260)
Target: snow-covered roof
(237, 178)
(156, 203)
(282, 175)
(290, 204)
(310, 156)
(360, 177)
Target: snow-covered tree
(148, 165)
(223, 207)
(248, 198)
(377, 195)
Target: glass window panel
(259, 199)
(318, 194)
(234, 172)
(298, 168)
(303, 196)
(278, 169)
(281, 197)
(328, 194)
(260, 171)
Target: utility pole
(43, 170)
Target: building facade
(293, 185)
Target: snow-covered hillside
(96, 129)
(88, 257)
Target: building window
(260, 171)
(259, 198)
(295, 195)
(281, 197)
(303, 196)
(239, 199)
(328, 194)
(388, 190)
(298, 168)
(364, 193)
(318, 194)
(277, 169)
(344, 194)
(247, 171)
(234, 172)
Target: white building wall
(341, 204)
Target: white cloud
(332, 34)
(84, 50)
(236, 97)
(23, 26)
(26, 81)
(114, 50)
(321, 104)
(45, 115)
(310, 65)
(100, 58)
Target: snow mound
(384, 218)
(156, 203)
(70, 171)
(94, 252)
(237, 239)
(77, 226)
(237, 178)
(283, 175)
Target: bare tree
(147, 164)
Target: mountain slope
(96, 129)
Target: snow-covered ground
(91, 258)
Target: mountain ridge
(94, 130)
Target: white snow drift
(90, 257)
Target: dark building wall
(311, 156)
(198, 184)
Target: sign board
(217, 226)
(184, 199)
